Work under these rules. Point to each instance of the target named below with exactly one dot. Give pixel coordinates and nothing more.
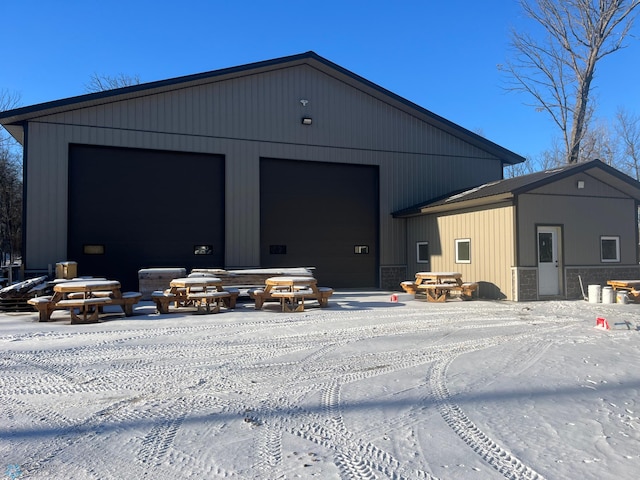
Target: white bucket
(608, 295)
(622, 297)
(594, 293)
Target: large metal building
(294, 161)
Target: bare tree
(8, 100)
(10, 185)
(628, 129)
(100, 83)
(553, 157)
(519, 169)
(599, 141)
(10, 204)
(557, 70)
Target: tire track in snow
(233, 367)
(78, 434)
(355, 458)
(166, 421)
(363, 458)
(494, 455)
(358, 460)
(358, 454)
(489, 450)
(497, 457)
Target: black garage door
(323, 215)
(131, 209)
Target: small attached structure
(530, 237)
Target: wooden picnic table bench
(203, 300)
(291, 291)
(632, 287)
(88, 296)
(198, 291)
(89, 308)
(439, 292)
(438, 286)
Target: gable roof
(14, 120)
(501, 190)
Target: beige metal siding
(491, 232)
(245, 119)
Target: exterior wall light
(307, 121)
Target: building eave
(13, 120)
(511, 188)
(455, 206)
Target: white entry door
(549, 271)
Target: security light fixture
(307, 121)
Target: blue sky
(441, 55)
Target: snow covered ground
(364, 389)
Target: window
(361, 249)
(422, 252)
(93, 249)
(609, 249)
(203, 250)
(277, 249)
(463, 250)
(545, 247)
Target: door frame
(557, 259)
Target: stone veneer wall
(525, 284)
(391, 276)
(596, 276)
(525, 280)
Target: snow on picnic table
(364, 389)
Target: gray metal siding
(247, 118)
(46, 197)
(583, 219)
(569, 186)
(267, 108)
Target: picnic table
(632, 287)
(291, 291)
(438, 286)
(205, 292)
(88, 296)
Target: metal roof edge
(144, 87)
(452, 207)
(442, 122)
(617, 173)
(552, 176)
(564, 171)
(578, 168)
(21, 114)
